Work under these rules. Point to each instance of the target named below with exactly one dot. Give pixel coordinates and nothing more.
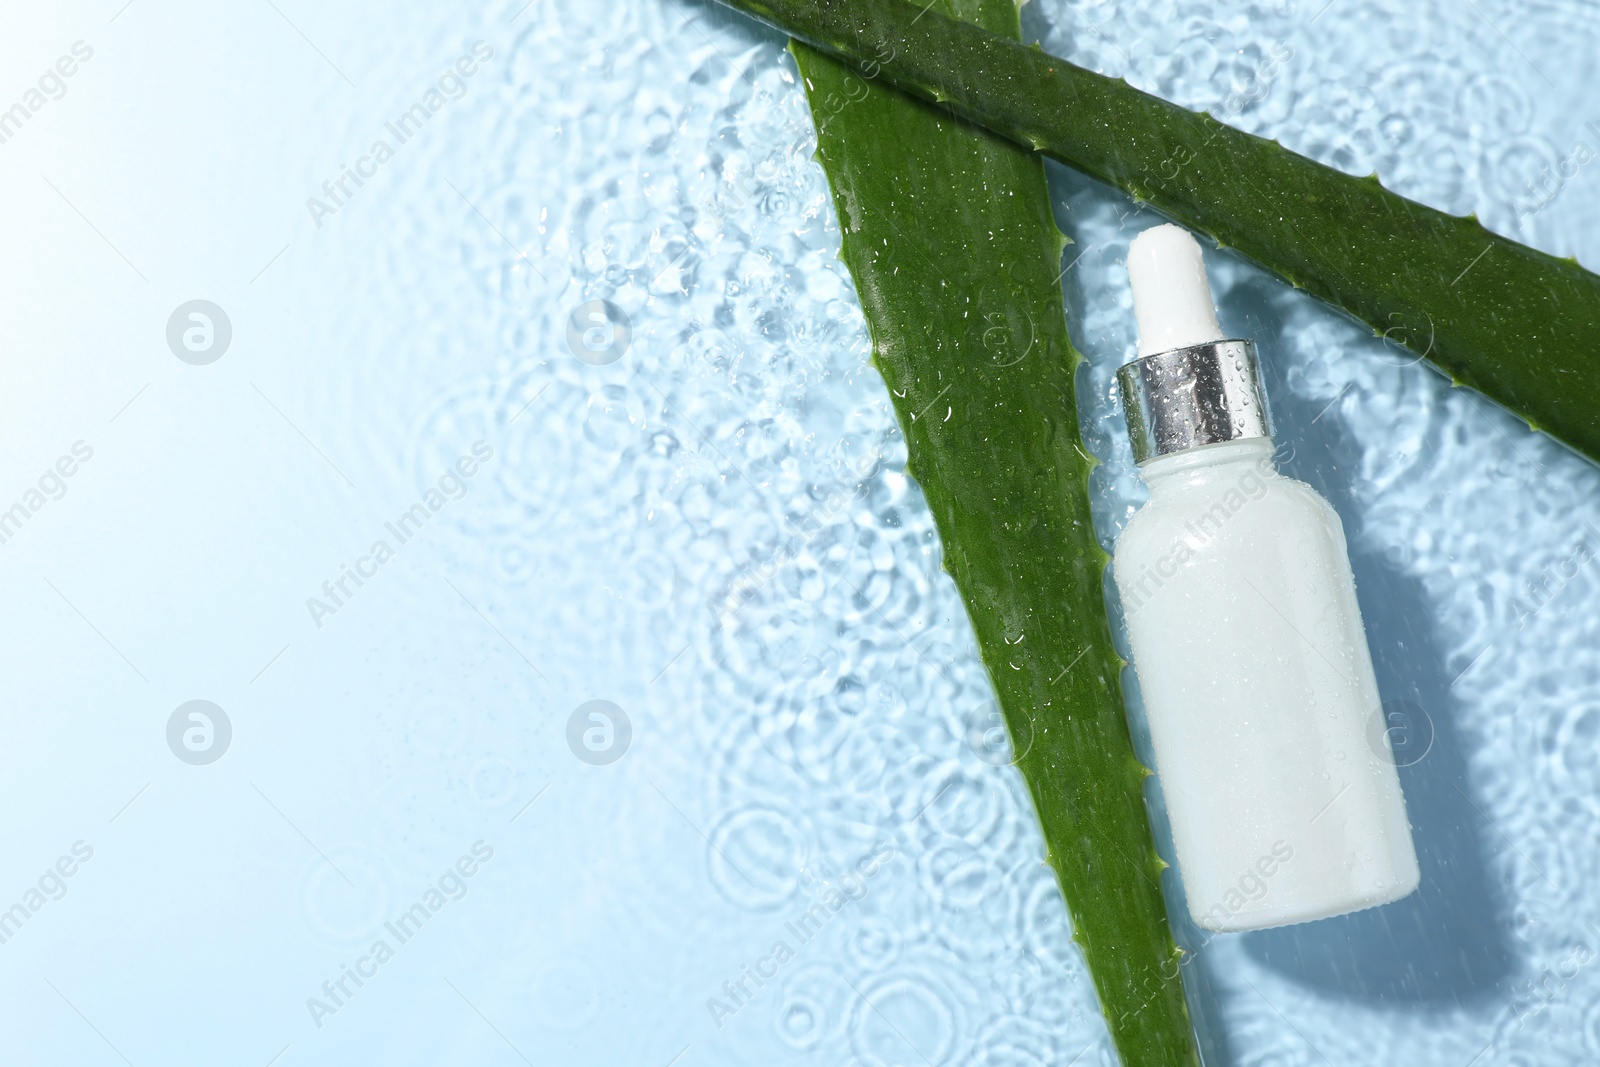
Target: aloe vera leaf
(948, 234)
(1516, 324)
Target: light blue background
(657, 153)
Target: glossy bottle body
(1258, 686)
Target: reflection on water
(680, 649)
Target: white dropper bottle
(1246, 634)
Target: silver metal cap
(1178, 400)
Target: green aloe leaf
(1516, 324)
(948, 234)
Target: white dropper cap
(1171, 297)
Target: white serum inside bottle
(1246, 635)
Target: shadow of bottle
(1449, 942)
